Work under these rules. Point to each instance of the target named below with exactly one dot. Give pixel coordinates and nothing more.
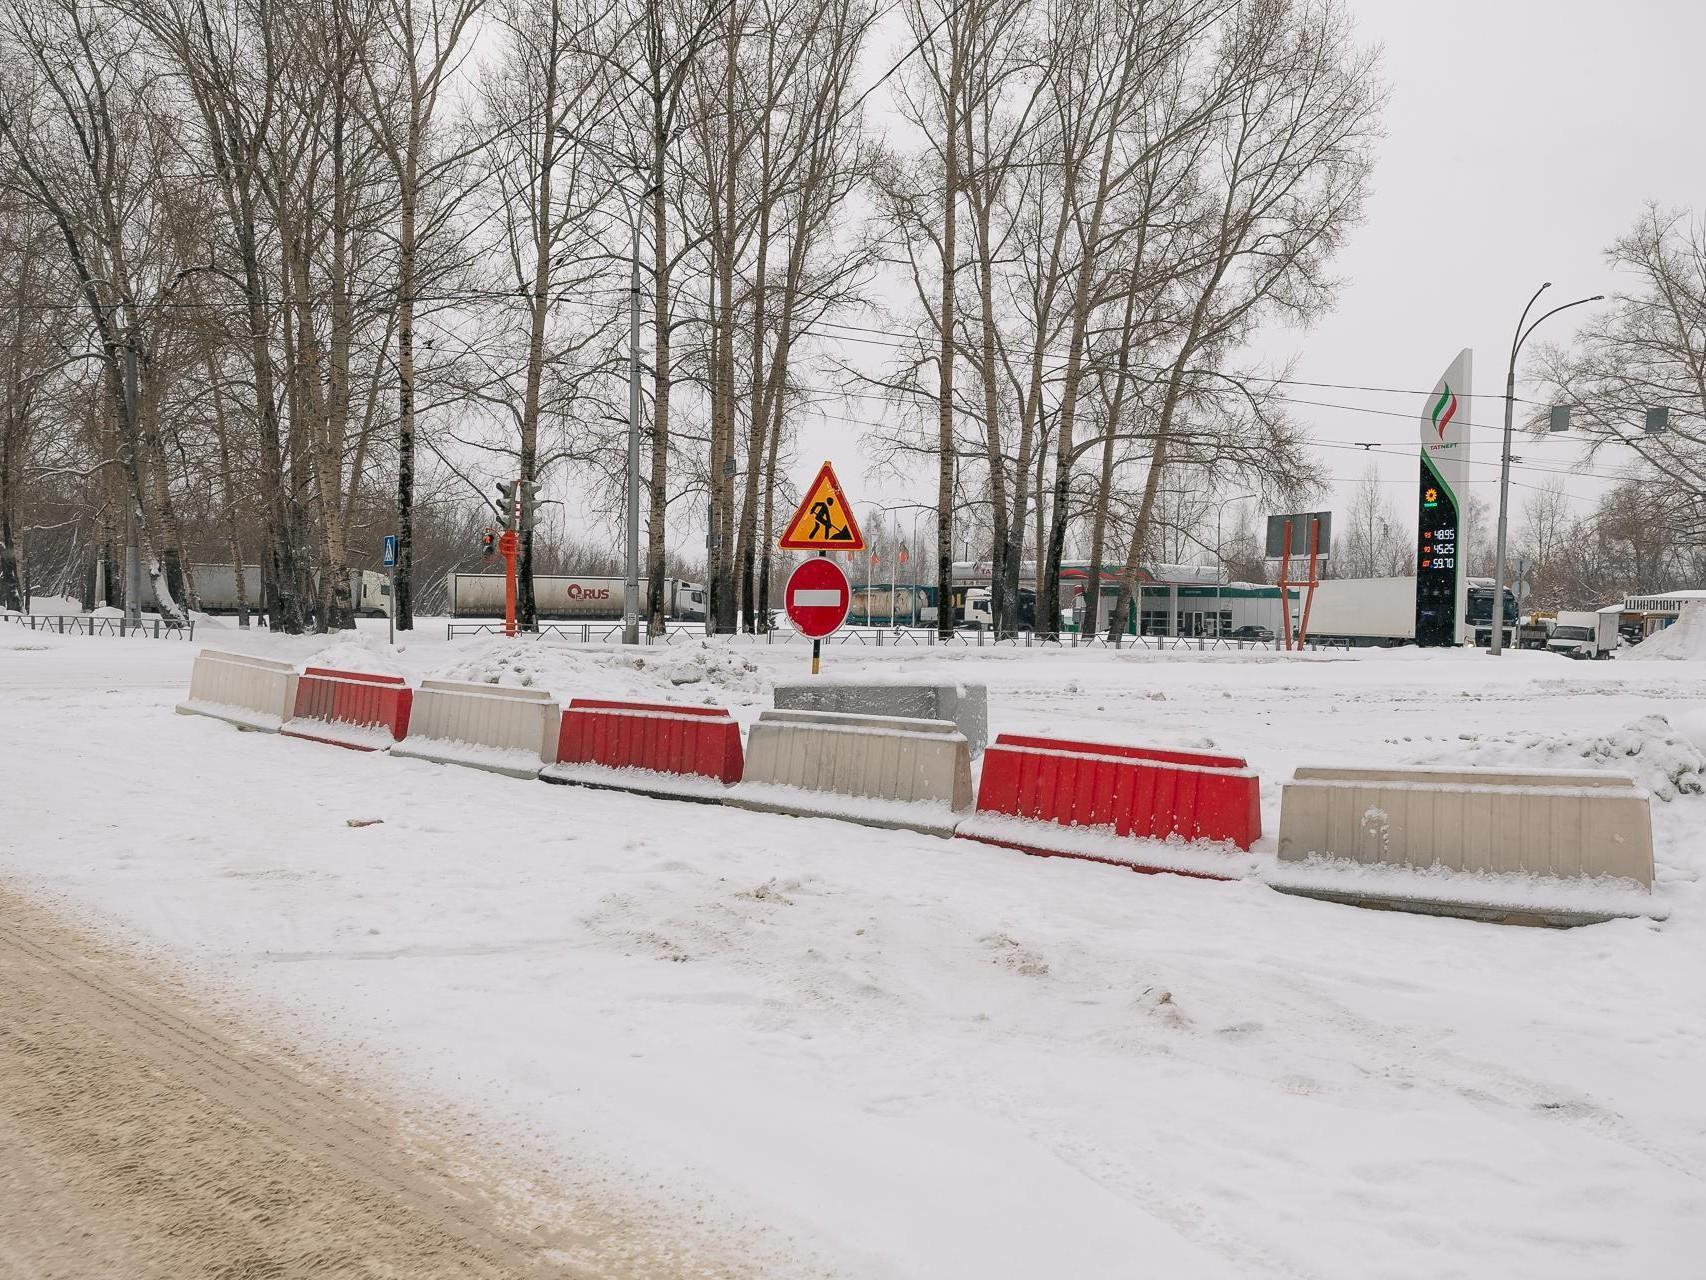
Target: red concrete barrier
(350, 709)
(1096, 800)
(684, 752)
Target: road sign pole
(817, 644)
(388, 561)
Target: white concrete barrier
(884, 771)
(485, 726)
(251, 693)
(1528, 846)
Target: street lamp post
(631, 588)
(1521, 336)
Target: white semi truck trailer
(216, 588)
(571, 597)
(1382, 611)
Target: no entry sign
(817, 597)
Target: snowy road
(140, 1137)
(876, 1054)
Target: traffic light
(529, 495)
(506, 503)
(488, 544)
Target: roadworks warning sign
(824, 520)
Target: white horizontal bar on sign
(812, 599)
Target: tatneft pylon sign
(1442, 495)
(824, 520)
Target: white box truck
(1586, 635)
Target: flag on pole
(901, 555)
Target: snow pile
(1661, 758)
(358, 651)
(695, 670)
(700, 663)
(1683, 640)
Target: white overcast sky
(1522, 137)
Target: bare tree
(1373, 540)
(1647, 349)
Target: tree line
(277, 276)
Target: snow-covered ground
(880, 1054)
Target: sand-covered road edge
(142, 1136)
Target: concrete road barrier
(1114, 803)
(1524, 846)
(653, 748)
(350, 709)
(251, 693)
(485, 726)
(965, 705)
(884, 771)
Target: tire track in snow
(140, 1139)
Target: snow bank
(1683, 641)
(1660, 756)
(693, 671)
(360, 652)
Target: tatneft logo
(1444, 410)
(578, 592)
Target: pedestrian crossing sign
(824, 520)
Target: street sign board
(817, 597)
(1300, 533)
(824, 520)
(390, 560)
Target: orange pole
(1309, 599)
(508, 544)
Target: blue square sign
(390, 561)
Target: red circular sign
(817, 597)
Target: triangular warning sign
(824, 521)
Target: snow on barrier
(1117, 804)
(350, 709)
(657, 749)
(251, 693)
(1539, 846)
(485, 726)
(884, 771)
(966, 705)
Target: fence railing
(879, 637)
(82, 624)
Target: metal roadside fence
(876, 638)
(81, 624)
